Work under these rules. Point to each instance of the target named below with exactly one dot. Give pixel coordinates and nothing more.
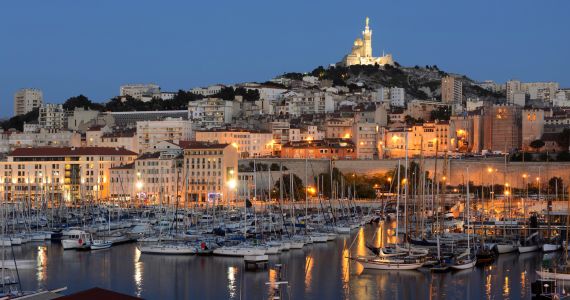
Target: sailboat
(466, 260)
(384, 263)
(563, 272)
(530, 244)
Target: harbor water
(318, 271)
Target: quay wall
(455, 170)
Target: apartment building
(68, 174)
(52, 116)
(212, 112)
(170, 129)
(25, 100)
(248, 143)
(210, 172)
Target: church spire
(367, 20)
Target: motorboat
(76, 238)
(101, 244)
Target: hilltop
(419, 82)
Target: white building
(512, 87)
(152, 132)
(52, 116)
(308, 102)
(167, 95)
(397, 97)
(562, 99)
(140, 91)
(211, 112)
(25, 100)
(311, 133)
(266, 92)
(518, 98)
(248, 143)
(45, 137)
(106, 137)
(544, 91)
(474, 104)
(207, 91)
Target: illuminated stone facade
(361, 53)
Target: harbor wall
(455, 170)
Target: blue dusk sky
(67, 48)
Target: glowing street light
(139, 185)
(232, 184)
(311, 190)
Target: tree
(442, 113)
(537, 144)
(555, 185)
(298, 188)
(17, 122)
(81, 102)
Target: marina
(124, 269)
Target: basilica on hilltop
(361, 53)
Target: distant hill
(419, 82)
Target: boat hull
(551, 275)
(238, 251)
(506, 248)
(526, 249)
(551, 247)
(464, 266)
(171, 250)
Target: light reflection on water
(345, 270)
(42, 264)
(232, 286)
(138, 276)
(318, 271)
(506, 288)
(309, 262)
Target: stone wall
(455, 169)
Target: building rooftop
(331, 143)
(70, 151)
(150, 155)
(96, 294)
(233, 129)
(201, 145)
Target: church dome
(358, 42)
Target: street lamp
(232, 184)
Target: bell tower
(367, 37)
